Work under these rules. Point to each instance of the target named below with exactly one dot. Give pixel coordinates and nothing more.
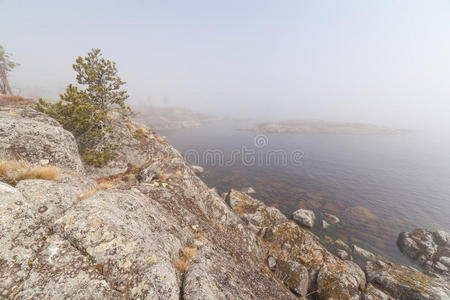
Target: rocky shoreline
(146, 227)
(430, 249)
(170, 118)
(320, 127)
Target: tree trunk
(5, 88)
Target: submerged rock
(248, 190)
(331, 218)
(429, 249)
(304, 217)
(342, 244)
(360, 214)
(325, 224)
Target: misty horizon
(383, 62)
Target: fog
(383, 61)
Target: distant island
(305, 127)
(167, 118)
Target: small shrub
(140, 133)
(88, 124)
(99, 158)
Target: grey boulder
(304, 217)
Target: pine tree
(102, 81)
(84, 110)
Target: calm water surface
(378, 185)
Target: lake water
(378, 185)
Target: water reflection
(377, 185)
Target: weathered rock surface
(197, 169)
(253, 212)
(31, 136)
(405, 282)
(429, 249)
(26, 212)
(294, 275)
(60, 271)
(364, 252)
(327, 275)
(271, 261)
(304, 217)
(343, 280)
(372, 293)
(342, 254)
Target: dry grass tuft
(178, 174)
(163, 175)
(189, 253)
(89, 194)
(104, 186)
(159, 139)
(140, 134)
(12, 100)
(7, 166)
(181, 265)
(98, 187)
(198, 235)
(46, 173)
(14, 171)
(141, 131)
(3, 168)
(131, 127)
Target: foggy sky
(377, 61)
